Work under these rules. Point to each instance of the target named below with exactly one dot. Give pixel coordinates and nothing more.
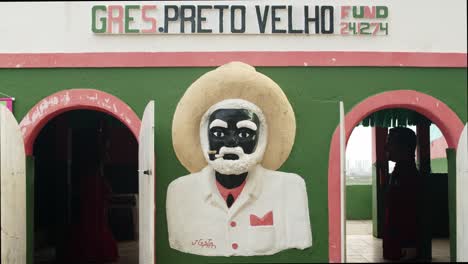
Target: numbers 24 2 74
(364, 28)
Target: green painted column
(452, 202)
(379, 176)
(424, 162)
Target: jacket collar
(252, 186)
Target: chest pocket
(261, 238)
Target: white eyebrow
(247, 124)
(218, 123)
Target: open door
(462, 198)
(13, 190)
(146, 187)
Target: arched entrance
(83, 103)
(434, 109)
(75, 99)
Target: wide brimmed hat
(235, 80)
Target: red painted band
(437, 111)
(212, 59)
(66, 100)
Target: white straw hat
(235, 80)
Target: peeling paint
(91, 98)
(66, 98)
(128, 120)
(72, 99)
(5, 233)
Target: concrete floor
(362, 247)
(128, 252)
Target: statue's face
(231, 128)
(233, 136)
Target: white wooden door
(13, 190)
(462, 197)
(146, 185)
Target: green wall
(359, 202)
(316, 122)
(439, 165)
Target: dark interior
(65, 143)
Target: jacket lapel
(250, 191)
(210, 190)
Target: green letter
(382, 11)
(102, 19)
(129, 19)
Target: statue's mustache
(228, 150)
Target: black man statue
(232, 204)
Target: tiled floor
(361, 246)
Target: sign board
(194, 17)
(232, 26)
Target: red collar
(235, 192)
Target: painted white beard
(234, 167)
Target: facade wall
(359, 202)
(53, 48)
(312, 92)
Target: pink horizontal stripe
(255, 58)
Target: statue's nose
(231, 141)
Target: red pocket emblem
(266, 220)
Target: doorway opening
(368, 171)
(437, 111)
(85, 190)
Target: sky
(359, 149)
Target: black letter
(323, 13)
(184, 18)
(315, 19)
(167, 18)
(200, 19)
(274, 19)
(221, 16)
(262, 21)
(290, 22)
(233, 18)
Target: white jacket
(271, 214)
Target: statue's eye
(244, 134)
(218, 133)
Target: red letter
(344, 28)
(111, 19)
(344, 11)
(368, 13)
(144, 9)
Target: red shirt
(225, 191)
